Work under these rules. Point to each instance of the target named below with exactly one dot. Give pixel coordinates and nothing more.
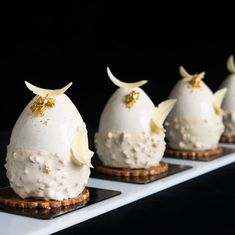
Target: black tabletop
(202, 205)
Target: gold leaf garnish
(230, 64)
(40, 105)
(121, 84)
(194, 80)
(132, 98)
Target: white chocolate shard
(230, 64)
(218, 98)
(160, 114)
(185, 75)
(121, 84)
(81, 155)
(201, 75)
(46, 92)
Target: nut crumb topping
(47, 169)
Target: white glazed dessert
(228, 104)
(48, 155)
(130, 132)
(195, 123)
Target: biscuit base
(9, 198)
(154, 170)
(228, 139)
(207, 154)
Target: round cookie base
(228, 139)
(154, 170)
(9, 198)
(206, 154)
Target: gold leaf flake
(132, 98)
(40, 105)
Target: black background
(52, 44)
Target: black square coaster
(96, 195)
(172, 169)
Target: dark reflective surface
(172, 169)
(96, 195)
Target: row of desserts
(48, 157)
(131, 133)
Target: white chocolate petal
(81, 155)
(201, 75)
(184, 74)
(230, 64)
(160, 114)
(121, 84)
(218, 98)
(43, 92)
(187, 76)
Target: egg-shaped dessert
(194, 126)
(130, 139)
(228, 104)
(48, 158)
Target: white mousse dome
(125, 137)
(117, 117)
(228, 104)
(39, 162)
(195, 122)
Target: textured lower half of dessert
(130, 150)
(194, 134)
(44, 175)
(229, 124)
